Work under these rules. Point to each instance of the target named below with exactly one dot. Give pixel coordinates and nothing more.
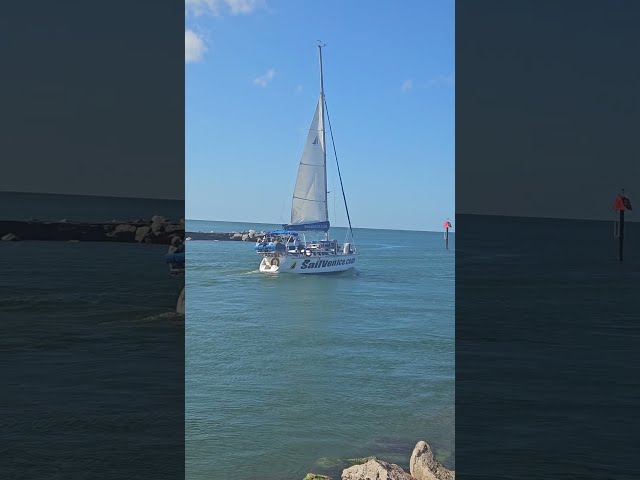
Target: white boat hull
(307, 264)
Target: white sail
(310, 193)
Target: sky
(547, 122)
(92, 99)
(251, 87)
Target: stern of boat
(271, 264)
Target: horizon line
(546, 218)
(336, 226)
(93, 195)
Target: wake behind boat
(303, 246)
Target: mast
(324, 152)
(324, 149)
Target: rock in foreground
(424, 467)
(375, 469)
(313, 476)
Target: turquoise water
(93, 361)
(92, 348)
(288, 374)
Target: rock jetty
(157, 230)
(422, 466)
(248, 236)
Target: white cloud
(240, 7)
(263, 80)
(219, 7)
(407, 85)
(194, 47)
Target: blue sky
(251, 76)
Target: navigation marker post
(447, 226)
(621, 204)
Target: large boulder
(314, 476)
(123, 230)
(157, 224)
(375, 469)
(10, 237)
(141, 233)
(338, 462)
(423, 466)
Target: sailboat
(304, 245)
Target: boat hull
(302, 264)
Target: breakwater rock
(376, 469)
(249, 236)
(157, 230)
(422, 466)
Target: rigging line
(335, 153)
(335, 207)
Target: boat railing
(292, 246)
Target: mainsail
(309, 206)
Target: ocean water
(92, 350)
(288, 374)
(547, 336)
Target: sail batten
(309, 204)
